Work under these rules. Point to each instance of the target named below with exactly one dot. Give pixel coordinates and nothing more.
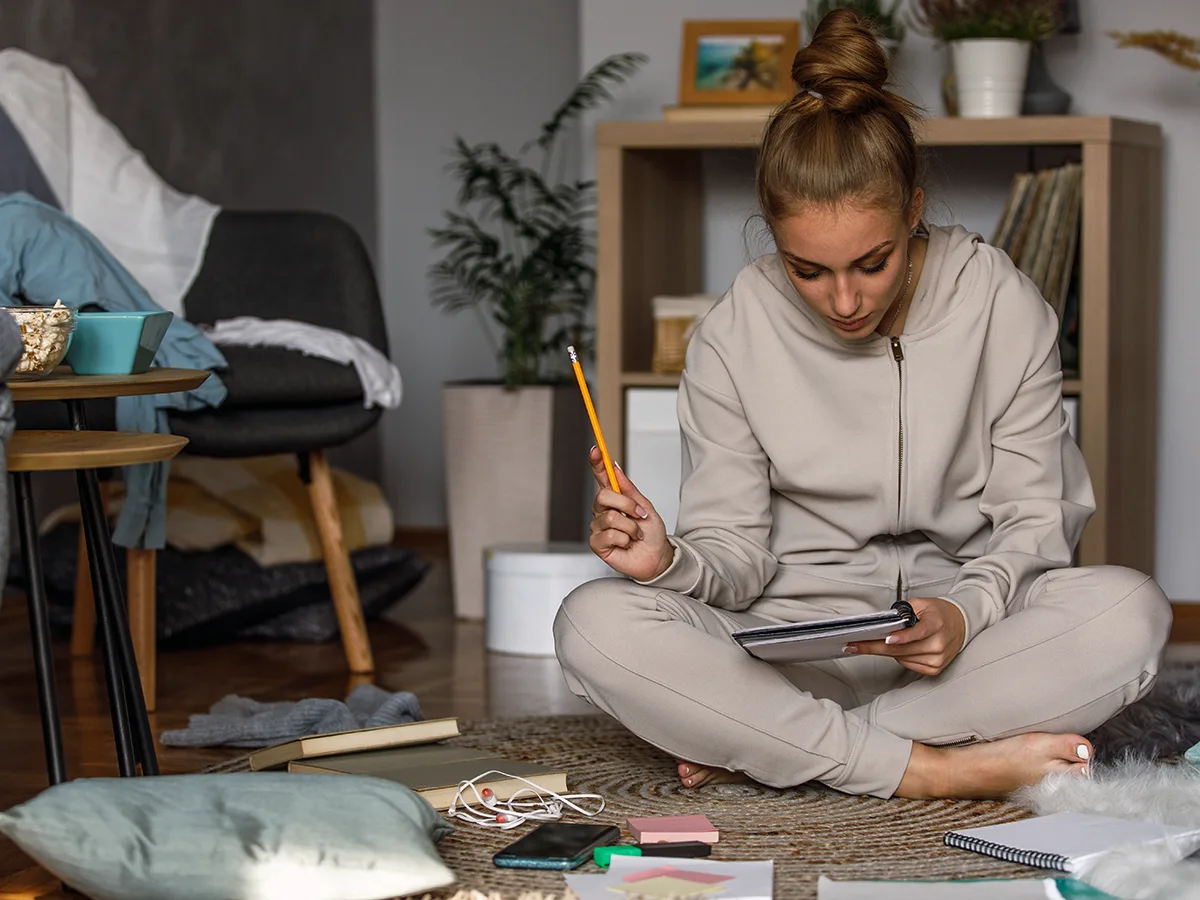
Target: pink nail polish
(891, 639)
(641, 512)
(849, 649)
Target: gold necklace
(901, 299)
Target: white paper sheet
(748, 881)
(1018, 889)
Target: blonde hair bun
(844, 65)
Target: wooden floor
(419, 647)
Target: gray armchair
(305, 266)
(309, 267)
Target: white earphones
(506, 814)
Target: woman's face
(848, 263)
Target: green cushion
(256, 836)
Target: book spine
(1035, 858)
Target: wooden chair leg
(342, 584)
(83, 623)
(140, 568)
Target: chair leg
(342, 583)
(39, 628)
(83, 622)
(140, 570)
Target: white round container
(525, 585)
(989, 77)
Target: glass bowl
(46, 331)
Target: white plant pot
(989, 77)
(516, 470)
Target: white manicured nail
(1082, 751)
(641, 512)
(891, 639)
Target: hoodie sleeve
(724, 525)
(1038, 494)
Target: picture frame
(732, 62)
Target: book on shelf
(1039, 230)
(426, 731)
(436, 771)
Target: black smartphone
(555, 845)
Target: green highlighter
(683, 850)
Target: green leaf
(590, 93)
(519, 250)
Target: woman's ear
(916, 209)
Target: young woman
(872, 412)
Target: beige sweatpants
(1084, 644)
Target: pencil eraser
(672, 829)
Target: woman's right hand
(627, 533)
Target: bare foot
(693, 775)
(991, 771)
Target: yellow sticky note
(665, 886)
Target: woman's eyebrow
(804, 262)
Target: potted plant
(519, 254)
(886, 18)
(990, 42)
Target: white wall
(1104, 80)
(486, 71)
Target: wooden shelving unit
(650, 242)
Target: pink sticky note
(649, 873)
(672, 829)
(681, 874)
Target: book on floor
(426, 731)
(1063, 842)
(435, 772)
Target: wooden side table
(129, 664)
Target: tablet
(824, 638)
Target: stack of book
(415, 755)
(1039, 229)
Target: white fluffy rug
(1158, 792)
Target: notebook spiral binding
(905, 609)
(1034, 858)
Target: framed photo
(731, 61)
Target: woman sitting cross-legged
(873, 412)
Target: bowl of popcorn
(46, 331)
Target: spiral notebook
(1063, 842)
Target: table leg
(39, 627)
(114, 623)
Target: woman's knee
(1143, 610)
(594, 613)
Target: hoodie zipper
(898, 355)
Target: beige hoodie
(846, 475)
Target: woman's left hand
(927, 647)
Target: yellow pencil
(591, 411)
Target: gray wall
(486, 71)
(970, 186)
(252, 104)
(249, 103)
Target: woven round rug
(808, 831)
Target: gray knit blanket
(240, 722)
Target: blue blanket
(47, 256)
